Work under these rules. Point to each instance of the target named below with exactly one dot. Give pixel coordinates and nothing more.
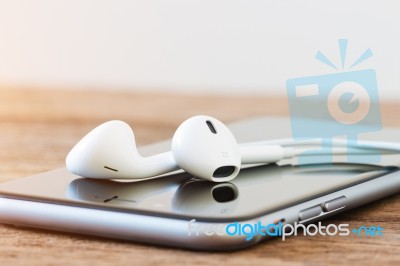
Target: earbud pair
(202, 146)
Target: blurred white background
(220, 46)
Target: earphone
(202, 146)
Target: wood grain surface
(38, 128)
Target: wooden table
(38, 127)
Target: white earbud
(202, 146)
(109, 152)
(206, 148)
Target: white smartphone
(183, 211)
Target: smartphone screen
(256, 191)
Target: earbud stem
(160, 164)
(261, 154)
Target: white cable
(335, 151)
(358, 147)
